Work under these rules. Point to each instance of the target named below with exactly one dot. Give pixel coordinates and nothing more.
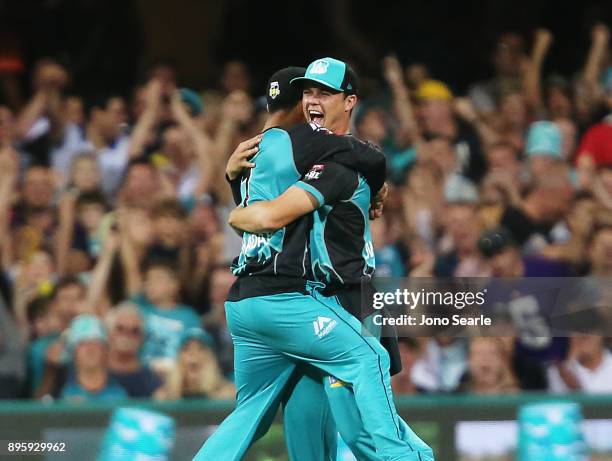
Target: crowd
(115, 250)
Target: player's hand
(378, 202)
(239, 160)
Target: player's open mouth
(316, 117)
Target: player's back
(282, 252)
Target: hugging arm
(323, 184)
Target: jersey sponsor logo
(254, 241)
(335, 382)
(315, 172)
(274, 90)
(323, 325)
(320, 67)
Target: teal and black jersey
(341, 246)
(284, 157)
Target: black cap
(494, 241)
(280, 94)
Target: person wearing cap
(89, 378)
(435, 109)
(543, 147)
(546, 203)
(341, 255)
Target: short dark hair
(99, 101)
(94, 197)
(64, 282)
(156, 262)
(169, 207)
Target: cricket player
(341, 249)
(272, 271)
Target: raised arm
(202, 144)
(600, 37)
(148, 119)
(9, 166)
(533, 72)
(408, 132)
(96, 290)
(65, 230)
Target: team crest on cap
(274, 90)
(320, 67)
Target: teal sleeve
(313, 191)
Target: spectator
(543, 148)
(600, 252)
(435, 111)
(89, 378)
(165, 318)
(461, 257)
(441, 366)
(402, 383)
(197, 373)
(85, 173)
(12, 363)
(235, 77)
(588, 368)
(46, 351)
(489, 371)
(126, 336)
(90, 210)
(388, 258)
(507, 60)
(169, 225)
(529, 305)
(545, 204)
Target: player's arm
(322, 146)
(323, 184)
(239, 162)
(266, 216)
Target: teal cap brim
(322, 82)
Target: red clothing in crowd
(597, 142)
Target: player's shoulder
(307, 131)
(274, 134)
(272, 140)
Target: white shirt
(440, 368)
(598, 381)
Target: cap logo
(319, 67)
(274, 90)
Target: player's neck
(341, 127)
(277, 119)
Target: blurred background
(116, 121)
